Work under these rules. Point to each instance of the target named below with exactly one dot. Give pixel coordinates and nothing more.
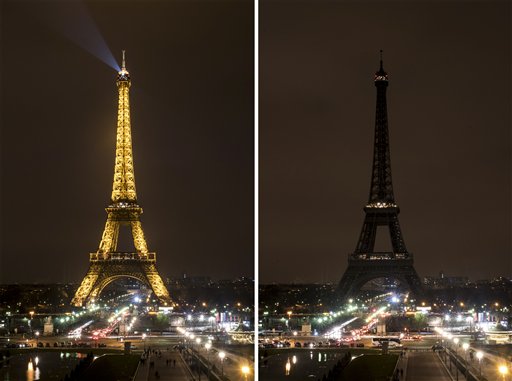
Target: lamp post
(37, 338)
(503, 371)
(479, 356)
(30, 321)
(245, 371)
(196, 356)
(207, 346)
(456, 342)
(221, 356)
(187, 336)
(144, 341)
(465, 346)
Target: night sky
(191, 63)
(449, 108)
(192, 101)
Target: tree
(161, 322)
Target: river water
(42, 366)
(303, 364)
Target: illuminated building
(107, 263)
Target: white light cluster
(381, 205)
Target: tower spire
(381, 75)
(381, 187)
(123, 188)
(123, 67)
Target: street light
(503, 370)
(465, 346)
(479, 356)
(30, 321)
(245, 371)
(144, 341)
(456, 341)
(207, 346)
(37, 338)
(221, 356)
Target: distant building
(443, 281)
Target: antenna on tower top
(124, 63)
(380, 59)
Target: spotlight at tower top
(123, 74)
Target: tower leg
(87, 285)
(157, 284)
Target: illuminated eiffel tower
(107, 264)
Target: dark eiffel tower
(365, 264)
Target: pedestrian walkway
(401, 366)
(163, 366)
(425, 366)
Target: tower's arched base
(361, 271)
(104, 271)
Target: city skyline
(449, 125)
(192, 124)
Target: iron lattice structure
(365, 263)
(107, 264)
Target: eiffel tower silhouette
(365, 264)
(107, 264)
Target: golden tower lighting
(107, 263)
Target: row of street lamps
(502, 369)
(222, 355)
